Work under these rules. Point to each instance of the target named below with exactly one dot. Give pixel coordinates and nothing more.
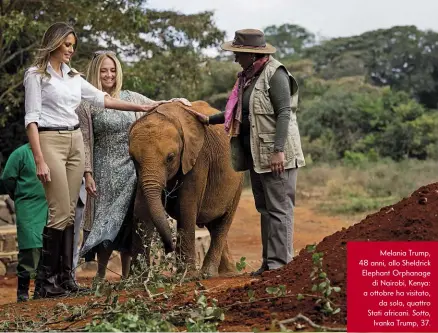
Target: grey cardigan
(84, 112)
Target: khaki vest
(263, 124)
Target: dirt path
(244, 239)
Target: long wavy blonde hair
(93, 71)
(52, 40)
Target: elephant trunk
(152, 193)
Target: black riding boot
(23, 289)
(46, 283)
(66, 279)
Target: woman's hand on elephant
(177, 99)
(277, 163)
(182, 100)
(90, 185)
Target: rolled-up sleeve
(32, 97)
(91, 94)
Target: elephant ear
(193, 136)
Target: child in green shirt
(20, 181)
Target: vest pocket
(266, 145)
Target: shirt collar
(64, 68)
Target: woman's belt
(62, 128)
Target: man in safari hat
(260, 117)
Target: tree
(351, 116)
(289, 39)
(138, 34)
(402, 57)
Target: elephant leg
(186, 247)
(141, 247)
(226, 266)
(103, 255)
(126, 259)
(218, 239)
(137, 242)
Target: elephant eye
(170, 157)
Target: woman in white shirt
(53, 91)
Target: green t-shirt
(29, 197)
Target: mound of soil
(412, 219)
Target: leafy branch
(322, 284)
(241, 264)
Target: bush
(357, 122)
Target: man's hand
(202, 118)
(277, 163)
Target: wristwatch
(278, 150)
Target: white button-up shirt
(52, 102)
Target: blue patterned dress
(114, 175)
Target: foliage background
(362, 98)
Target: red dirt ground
(411, 219)
(244, 239)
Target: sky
(326, 18)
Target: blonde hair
(93, 71)
(52, 40)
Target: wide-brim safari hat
(249, 41)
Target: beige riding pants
(63, 151)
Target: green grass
(356, 205)
(344, 189)
(367, 187)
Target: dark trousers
(28, 262)
(274, 198)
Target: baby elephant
(190, 163)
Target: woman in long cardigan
(110, 177)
